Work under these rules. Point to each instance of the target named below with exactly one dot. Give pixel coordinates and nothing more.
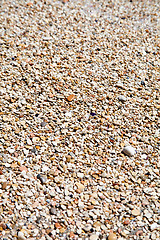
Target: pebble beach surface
(79, 120)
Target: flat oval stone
(129, 151)
(93, 237)
(70, 97)
(136, 212)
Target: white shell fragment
(129, 151)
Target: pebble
(87, 227)
(93, 237)
(126, 222)
(71, 235)
(112, 236)
(43, 124)
(21, 236)
(129, 151)
(53, 211)
(4, 185)
(71, 97)
(136, 212)
(147, 214)
(154, 226)
(143, 83)
(119, 84)
(80, 186)
(80, 175)
(42, 179)
(122, 98)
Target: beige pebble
(93, 237)
(112, 236)
(80, 186)
(136, 212)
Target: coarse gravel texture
(79, 120)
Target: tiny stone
(93, 237)
(126, 222)
(87, 227)
(71, 235)
(147, 214)
(80, 186)
(43, 179)
(53, 211)
(69, 213)
(154, 226)
(70, 97)
(122, 98)
(34, 150)
(119, 84)
(39, 176)
(21, 236)
(143, 83)
(93, 114)
(4, 185)
(139, 233)
(136, 212)
(43, 124)
(80, 175)
(29, 142)
(23, 168)
(57, 225)
(129, 151)
(153, 236)
(112, 236)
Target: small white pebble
(129, 151)
(21, 236)
(122, 98)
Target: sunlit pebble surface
(79, 118)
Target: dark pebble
(43, 180)
(93, 114)
(38, 220)
(143, 83)
(39, 176)
(8, 226)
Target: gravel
(79, 120)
